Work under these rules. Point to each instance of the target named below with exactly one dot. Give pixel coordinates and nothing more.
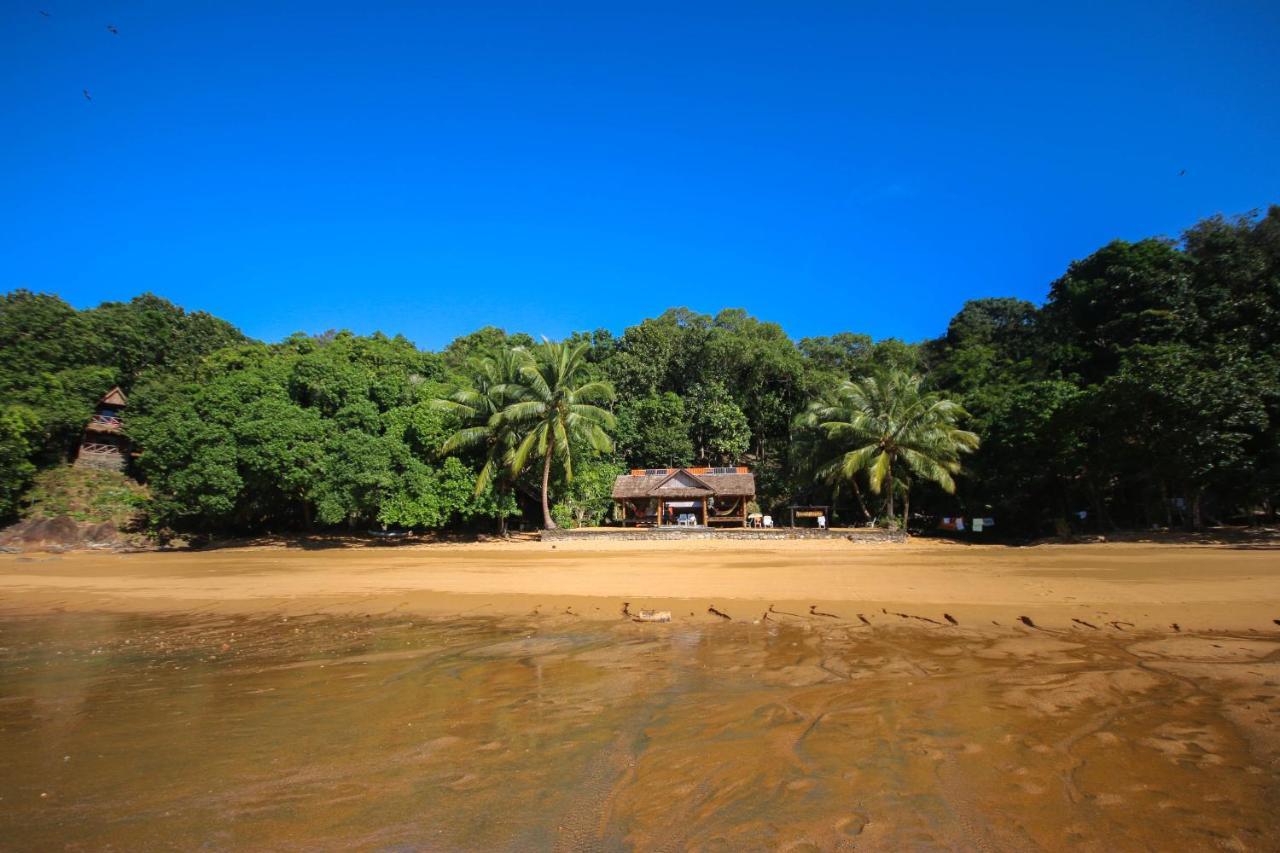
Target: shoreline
(12, 542)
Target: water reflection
(538, 733)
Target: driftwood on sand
(651, 616)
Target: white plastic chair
(822, 522)
(767, 521)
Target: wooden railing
(105, 422)
(91, 447)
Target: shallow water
(551, 733)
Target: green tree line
(1144, 391)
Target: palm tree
(556, 409)
(884, 423)
(493, 384)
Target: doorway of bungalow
(685, 513)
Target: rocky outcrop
(61, 534)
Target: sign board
(809, 513)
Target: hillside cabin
(654, 497)
(104, 444)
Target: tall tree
(654, 431)
(557, 410)
(490, 385)
(885, 422)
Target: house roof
(682, 483)
(114, 397)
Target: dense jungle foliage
(1145, 391)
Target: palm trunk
(547, 521)
(857, 492)
(888, 481)
(906, 509)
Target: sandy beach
(1147, 586)
(494, 697)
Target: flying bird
(43, 12)
(86, 94)
(1183, 172)
(111, 28)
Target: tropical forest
(1144, 392)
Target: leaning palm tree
(556, 410)
(492, 384)
(883, 423)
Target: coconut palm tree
(882, 424)
(556, 410)
(493, 384)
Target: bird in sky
(86, 94)
(111, 28)
(43, 12)
(1183, 172)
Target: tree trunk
(888, 481)
(547, 521)
(862, 504)
(1197, 514)
(1099, 505)
(906, 509)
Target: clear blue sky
(428, 168)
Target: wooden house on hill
(704, 496)
(104, 444)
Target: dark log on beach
(1026, 620)
(712, 610)
(1086, 624)
(814, 611)
(921, 618)
(864, 619)
(950, 618)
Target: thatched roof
(114, 397)
(681, 483)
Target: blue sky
(428, 168)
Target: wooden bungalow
(649, 497)
(104, 444)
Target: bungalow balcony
(105, 423)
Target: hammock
(733, 509)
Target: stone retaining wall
(680, 533)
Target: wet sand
(244, 699)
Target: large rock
(60, 532)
